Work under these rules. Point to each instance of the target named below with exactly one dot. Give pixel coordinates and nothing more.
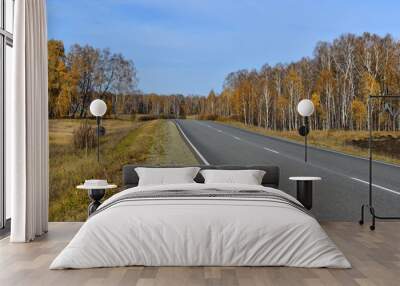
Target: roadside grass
(125, 142)
(337, 140)
(61, 130)
(170, 149)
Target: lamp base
(304, 130)
(101, 131)
(95, 195)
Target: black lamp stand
(370, 201)
(98, 118)
(303, 131)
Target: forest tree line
(338, 79)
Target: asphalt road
(344, 184)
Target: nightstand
(305, 190)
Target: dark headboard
(271, 178)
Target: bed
(198, 224)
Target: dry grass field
(126, 142)
(387, 144)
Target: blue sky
(189, 46)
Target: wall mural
(140, 127)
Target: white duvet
(199, 231)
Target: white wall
(9, 10)
(8, 73)
(8, 83)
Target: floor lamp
(98, 108)
(370, 201)
(305, 109)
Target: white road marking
(191, 145)
(218, 130)
(376, 186)
(271, 150)
(240, 139)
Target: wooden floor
(375, 257)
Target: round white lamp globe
(98, 107)
(305, 107)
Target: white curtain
(27, 124)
